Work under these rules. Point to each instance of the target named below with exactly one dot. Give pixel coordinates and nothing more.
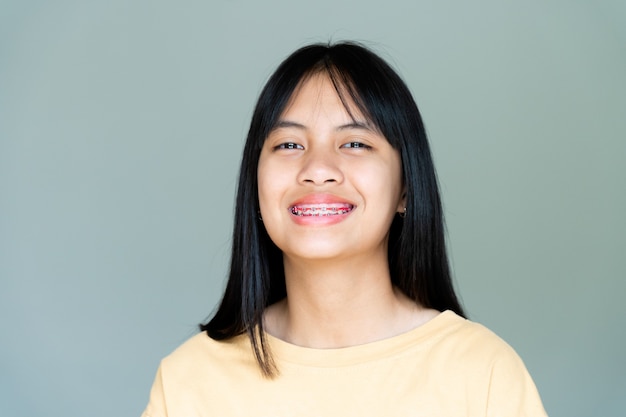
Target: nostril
(312, 181)
(319, 171)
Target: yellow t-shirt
(447, 367)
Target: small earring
(258, 214)
(403, 213)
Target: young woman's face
(329, 185)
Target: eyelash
(289, 146)
(296, 146)
(356, 145)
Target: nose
(320, 168)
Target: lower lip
(320, 220)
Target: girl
(339, 300)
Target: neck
(337, 304)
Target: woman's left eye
(289, 145)
(356, 145)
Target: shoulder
(462, 346)
(466, 337)
(189, 379)
(485, 357)
(200, 354)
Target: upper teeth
(320, 209)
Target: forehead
(317, 96)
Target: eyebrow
(354, 125)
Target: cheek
(386, 182)
(263, 192)
(269, 188)
(270, 194)
(262, 178)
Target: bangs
(350, 97)
(364, 83)
(346, 91)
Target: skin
(336, 268)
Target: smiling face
(329, 183)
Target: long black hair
(418, 261)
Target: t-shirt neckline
(417, 337)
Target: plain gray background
(121, 127)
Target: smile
(318, 210)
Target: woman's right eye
(289, 145)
